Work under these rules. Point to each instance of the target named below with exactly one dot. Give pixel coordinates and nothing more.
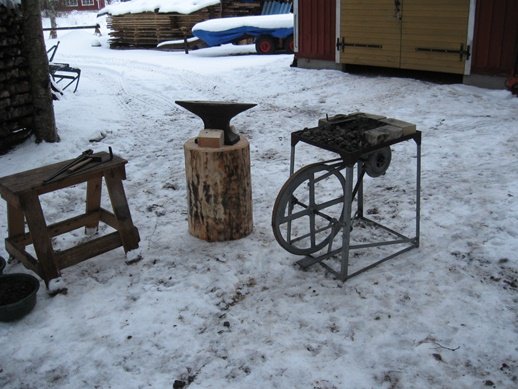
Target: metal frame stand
(346, 227)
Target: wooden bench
(21, 192)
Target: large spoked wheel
(308, 210)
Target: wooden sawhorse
(21, 192)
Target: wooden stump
(219, 191)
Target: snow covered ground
(240, 314)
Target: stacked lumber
(148, 29)
(16, 107)
(236, 8)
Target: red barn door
(317, 29)
(496, 37)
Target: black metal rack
(320, 251)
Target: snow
(161, 6)
(240, 314)
(260, 21)
(177, 42)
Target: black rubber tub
(17, 295)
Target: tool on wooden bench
(80, 163)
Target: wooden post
(219, 191)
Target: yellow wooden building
(447, 36)
(408, 34)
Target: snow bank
(261, 21)
(161, 6)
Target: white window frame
(87, 3)
(71, 3)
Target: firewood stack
(16, 106)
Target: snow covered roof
(161, 6)
(10, 3)
(260, 21)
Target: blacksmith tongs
(85, 158)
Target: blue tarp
(215, 38)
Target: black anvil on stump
(219, 190)
(216, 115)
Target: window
(71, 3)
(87, 2)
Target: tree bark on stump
(44, 123)
(219, 191)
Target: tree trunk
(44, 123)
(52, 15)
(219, 191)
(53, 33)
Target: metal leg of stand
(292, 170)
(346, 229)
(359, 212)
(418, 197)
(292, 160)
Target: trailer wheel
(288, 44)
(264, 45)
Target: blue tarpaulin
(215, 38)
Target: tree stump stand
(219, 190)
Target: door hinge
(341, 44)
(461, 52)
(397, 9)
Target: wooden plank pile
(148, 29)
(16, 107)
